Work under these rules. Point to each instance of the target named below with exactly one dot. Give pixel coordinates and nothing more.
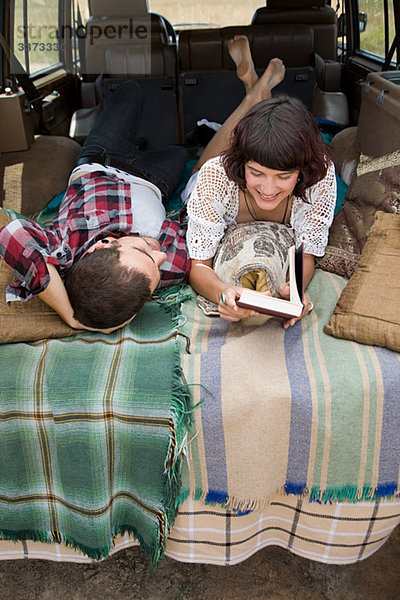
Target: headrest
(129, 60)
(118, 8)
(295, 4)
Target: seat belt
(23, 79)
(81, 44)
(391, 52)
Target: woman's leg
(257, 89)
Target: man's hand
(77, 325)
(55, 295)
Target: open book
(279, 307)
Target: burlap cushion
(376, 187)
(26, 321)
(251, 248)
(368, 310)
(30, 178)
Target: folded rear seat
(208, 85)
(329, 101)
(128, 42)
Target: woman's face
(269, 188)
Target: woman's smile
(265, 197)
(269, 187)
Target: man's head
(113, 281)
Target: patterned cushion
(249, 249)
(30, 178)
(368, 310)
(376, 187)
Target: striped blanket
(91, 429)
(293, 411)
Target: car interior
(293, 435)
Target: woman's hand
(229, 310)
(205, 281)
(284, 291)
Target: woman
(276, 168)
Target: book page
(296, 274)
(279, 306)
(257, 300)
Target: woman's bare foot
(273, 74)
(239, 51)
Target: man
(110, 242)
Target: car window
(372, 38)
(207, 13)
(36, 37)
(35, 34)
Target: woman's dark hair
(103, 292)
(281, 134)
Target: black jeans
(112, 142)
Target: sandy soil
(272, 574)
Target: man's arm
(23, 246)
(55, 295)
(22, 242)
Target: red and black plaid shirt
(95, 205)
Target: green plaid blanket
(92, 429)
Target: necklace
(286, 209)
(255, 218)
(248, 207)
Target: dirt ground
(272, 573)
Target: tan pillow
(376, 187)
(368, 310)
(249, 249)
(29, 179)
(26, 321)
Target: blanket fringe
(237, 505)
(350, 494)
(181, 420)
(155, 549)
(48, 537)
(354, 494)
(172, 297)
(243, 506)
(152, 549)
(182, 416)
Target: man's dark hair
(103, 292)
(281, 134)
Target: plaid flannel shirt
(95, 206)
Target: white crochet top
(214, 204)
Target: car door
(39, 51)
